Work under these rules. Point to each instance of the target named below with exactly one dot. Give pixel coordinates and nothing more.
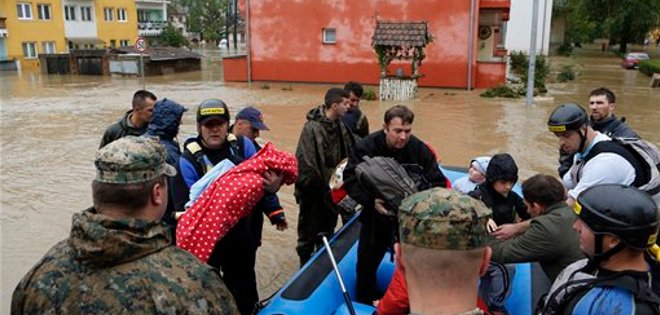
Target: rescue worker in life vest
(617, 224)
(235, 254)
(591, 166)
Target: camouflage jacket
(323, 144)
(116, 266)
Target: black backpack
(386, 179)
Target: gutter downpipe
(247, 43)
(470, 45)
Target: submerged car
(631, 60)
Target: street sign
(141, 44)
(141, 47)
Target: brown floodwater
(51, 125)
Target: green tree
(170, 36)
(206, 17)
(623, 21)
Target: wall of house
(116, 30)
(286, 46)
(3, 49)
(32, 30)
(490, 74)
(557, 31)
(519, 30)
(78, 28)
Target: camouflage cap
(439, 218)
(131, 160)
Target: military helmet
(622, 211)
(567, 117)
(212, 108)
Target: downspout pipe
(248, 46)
(470, 45)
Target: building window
(123, 42)
(48, 47)
(329, 36)
(69, 13)
(502, 35)
(143, 16)
(113, 43)
(107, 13)
(121, 15)
(85, 13)
(44, 11)
(30, 50)
(24, 11)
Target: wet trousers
(317, 215)
(235, 256)
(375, 239)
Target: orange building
(331, 41)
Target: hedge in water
(649, 67)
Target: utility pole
(227, 21)
(532, 53)
(235, 7)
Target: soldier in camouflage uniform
(443, 244)
(118, 257)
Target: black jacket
(121, 129)
(614, 128)
(357, 122)
(504, 208)
(415, 152)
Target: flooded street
(50, 128)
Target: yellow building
(116, 22)
(32, 28)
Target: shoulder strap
(614, 146)
(203, 164)
(641, 290)
(236, 148)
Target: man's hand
(509, 231)
(282, 225)
(272, 181)
(379, 205)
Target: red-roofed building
(332, 41)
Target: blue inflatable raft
(315, 289)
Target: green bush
(369, 94)
(518, 62)
(649, 67)
(566, 75)
(503, 91)
(541, 71)
(566, 49)
(170, 36)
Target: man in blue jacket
(235, 254)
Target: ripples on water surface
(51, 126)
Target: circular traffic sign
(141, 44)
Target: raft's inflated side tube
(315, 289)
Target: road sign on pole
(141, 47)
(141, 44)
